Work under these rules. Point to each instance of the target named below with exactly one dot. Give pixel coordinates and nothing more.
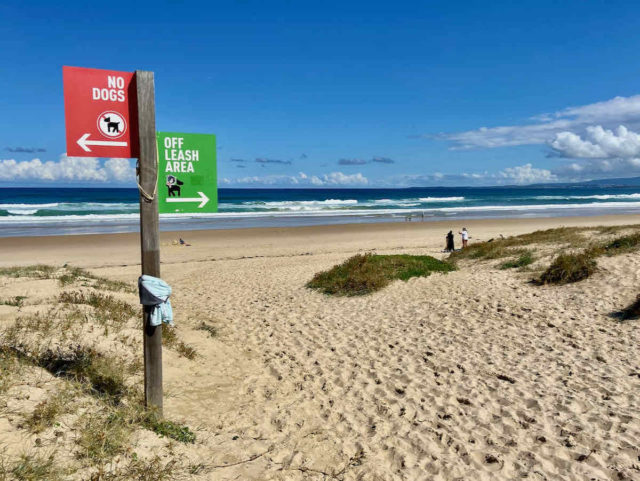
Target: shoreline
(122, 249)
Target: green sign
(187, 180)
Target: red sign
(100, 110)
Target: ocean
(56, 211)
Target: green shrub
(363, 274)
(621, 245)
(171, 430)
(568, 268)
(525, 259)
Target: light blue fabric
(156, 292)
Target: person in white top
(465, 237)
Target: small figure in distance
(183, 243)
(449, 247)
(465, 237)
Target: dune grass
(566, 267)
(74, 275)
(208, 328)
(514, 246)
(622, 245)
(364, 274)
(573, 267)
(107, 309)
(32, 468)
(39, 271)
(525, 259)
(45, 413)
(569, 267)
(105, 375)
(170, 339)
(155, 469)
(66, 275)
(16, 301)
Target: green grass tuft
(170, 340)
(107, 308)
(525, 259)
(105, 375)
(103, 435)
(363, 274)
(76, 274)
(66, 275)
(17, 301)
(171, 430)
(46, 412)
(139, 470)
(39, 271)
(33, 468)
(211, 330)
(622, 245)
(10, 369)
(568, 268)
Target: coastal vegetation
(525, 259)
(367, 273)
(79, 350)
(568, 268)
(572, 251)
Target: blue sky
(340, 93)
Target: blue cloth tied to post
(156, 292)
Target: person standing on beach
(465, 237)
(449, 246)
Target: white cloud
(120, 170)
(338, 178)
(598, 143)
(609, 114)
(522, 175)
(67, 169)
(599, 169)
(527, 174)
(301, 180)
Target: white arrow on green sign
(187, 173)
(203, 199)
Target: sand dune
(471, 375)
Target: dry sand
(472, 375)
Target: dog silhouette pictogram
(112, 126)
(173, 186)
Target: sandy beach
(472, 375)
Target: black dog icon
(173, 185)
(112, 126)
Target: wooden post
(149, 243)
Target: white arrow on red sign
(203, 199)
(84, 142)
